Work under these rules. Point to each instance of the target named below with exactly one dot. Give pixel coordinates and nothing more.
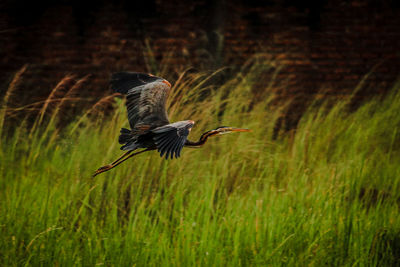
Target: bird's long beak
(239, 130)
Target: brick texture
(345, 41)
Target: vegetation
(325, 194)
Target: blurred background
(327, 45)
(316, 183)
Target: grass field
(327, 194)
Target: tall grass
(326, 194)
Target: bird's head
(225, 130)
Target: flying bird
(146, 96)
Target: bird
(151, 129)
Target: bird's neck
(203, 138)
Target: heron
(146, 97)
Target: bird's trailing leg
(110, 166)
(118, 159)
(117, 162)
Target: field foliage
(325, 194)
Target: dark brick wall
(329, 44)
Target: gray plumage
(171, 138)
(146, 97)
(146, 104)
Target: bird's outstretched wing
(145, 98)
(171, 138)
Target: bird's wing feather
(145, 99)
(171, 138)
(122, 82)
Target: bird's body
(146, 97)
(169, 138)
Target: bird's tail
(126, 138)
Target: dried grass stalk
(58, 89)
(11, 88)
